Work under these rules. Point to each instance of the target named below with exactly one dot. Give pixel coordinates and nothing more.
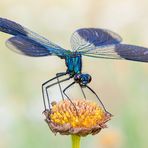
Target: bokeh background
(122, 85)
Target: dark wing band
(26, 46)
(120, 51)
(86, 39)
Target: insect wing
(26, 46)
(120, 51)
(132, 52)
(16, 29)
(11, 27)
(87, 39)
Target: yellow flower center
(81, 113)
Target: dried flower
(82, 117)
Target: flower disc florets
(82, 117)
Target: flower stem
(75, 141)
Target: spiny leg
(97, 98)
(62, 74)
(82, 91)
(64, 92)
(47, 87)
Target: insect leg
(64, 92)
(46, 88)
(43, 94)
(59, 85)
(97, 98)
(82, 91)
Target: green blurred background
(122, 85)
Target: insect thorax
(74, 64)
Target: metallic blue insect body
(74, 63)
(92, 42)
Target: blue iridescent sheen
(85, 78)
(74, 64)
(92, 42)
(10, 27)
(28, 46)
(91, 35)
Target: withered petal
(67, 128)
